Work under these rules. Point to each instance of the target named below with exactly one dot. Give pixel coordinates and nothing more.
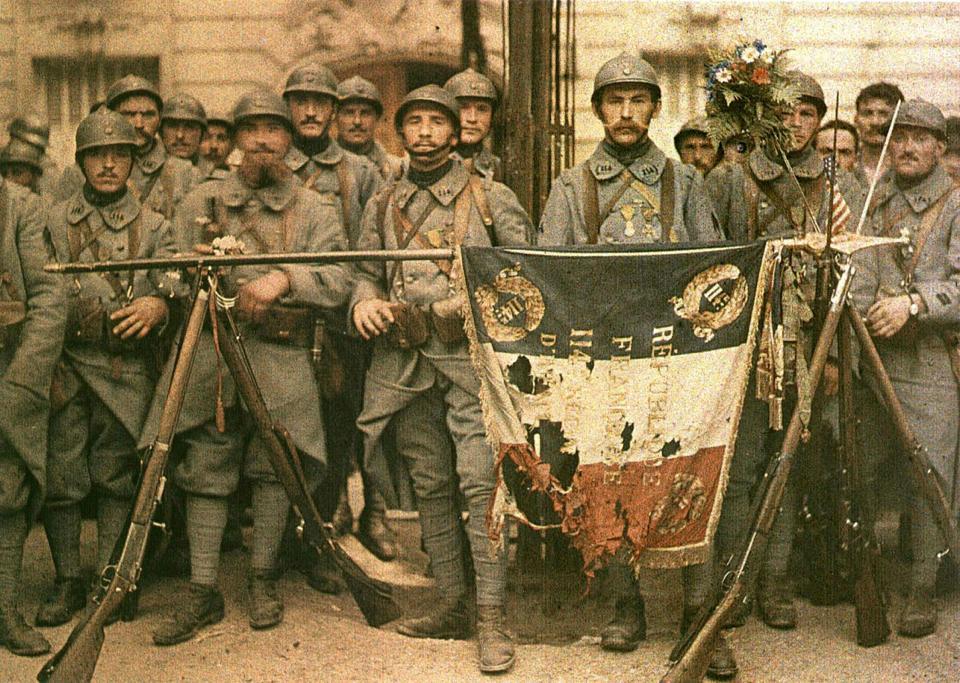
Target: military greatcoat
(628, 202)
(916, 358)
(158, 180)
(321, 173)
(398, 376)
(28, 348)
(387, 165)
(280, 218)
(484, 163)
(102, 390)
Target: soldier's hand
(203, 248)
(887, 316)
(255, 298)
(372, 317)
(139, 317)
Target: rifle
(857, 537)
(927, 478)
(77, 659)
(690, 659)
(211, 262)
(374, 598)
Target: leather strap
(344, 181)
(404, 231)
(5, 277)
(591, 206)
(483, 207)
(930, 217)
(81, 237)
(668, 196)
(813, 193)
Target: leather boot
(776, 603)
(628, 626)
(266, 606)
(376, 536)
(723, 664)
(66, 599)
(204, 607)
(919, 615)
(446, 622)
(342, 519)
(494, 645)
(19, 638)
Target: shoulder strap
(483, 207)
(346, 186)
(591, 205)
(751, 191)
(668, 197)
(930, 218)
(288, 224)
(4, 199)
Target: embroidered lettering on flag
(629, 369)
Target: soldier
(104, 379)
(645, 198)
(910, 298)
(477, 97)
(348, 181)
(760, 197)
(874, 107)
(216, 146)
(358, 116)
(21, 163)
(182, 125)
(422, 378)
(35, 131)
(158, 181)
(951, 155)
(848, 145)
(32, 317)
(694, 146)
(262, 205)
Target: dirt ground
(324, 638)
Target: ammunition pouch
(447, 326)
(12, 314)
(291, 325)
(409, 329)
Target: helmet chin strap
(430, 159)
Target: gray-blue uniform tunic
(280, 218)
(28, 348)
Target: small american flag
(841, 212)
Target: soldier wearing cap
(629, 192)
(358, 115)
(420, 376)
(694, 146)
(32, 316)
(21, 163)
(951, 155)
(761, 197)
(347, 181)
(182, 126)
(263, 205)
(477, 97)
(34, 130)
(158, 180)
(104, 379)
(216, 146)
(910, 298)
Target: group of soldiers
(86, 359)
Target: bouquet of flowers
(747, 90)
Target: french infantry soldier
(21, 163)
(346, 181)
(34, 130)
(477, 97)
(105, 377)
(421, 376)
(262, 205)
(182, 125)
(359, 114)
(910, 297)
(216, 146)
(629, 192)
(32, 317)
(158, 181)
(762, 197)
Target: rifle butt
(76, 661)
(373, 597)
(872, 626)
